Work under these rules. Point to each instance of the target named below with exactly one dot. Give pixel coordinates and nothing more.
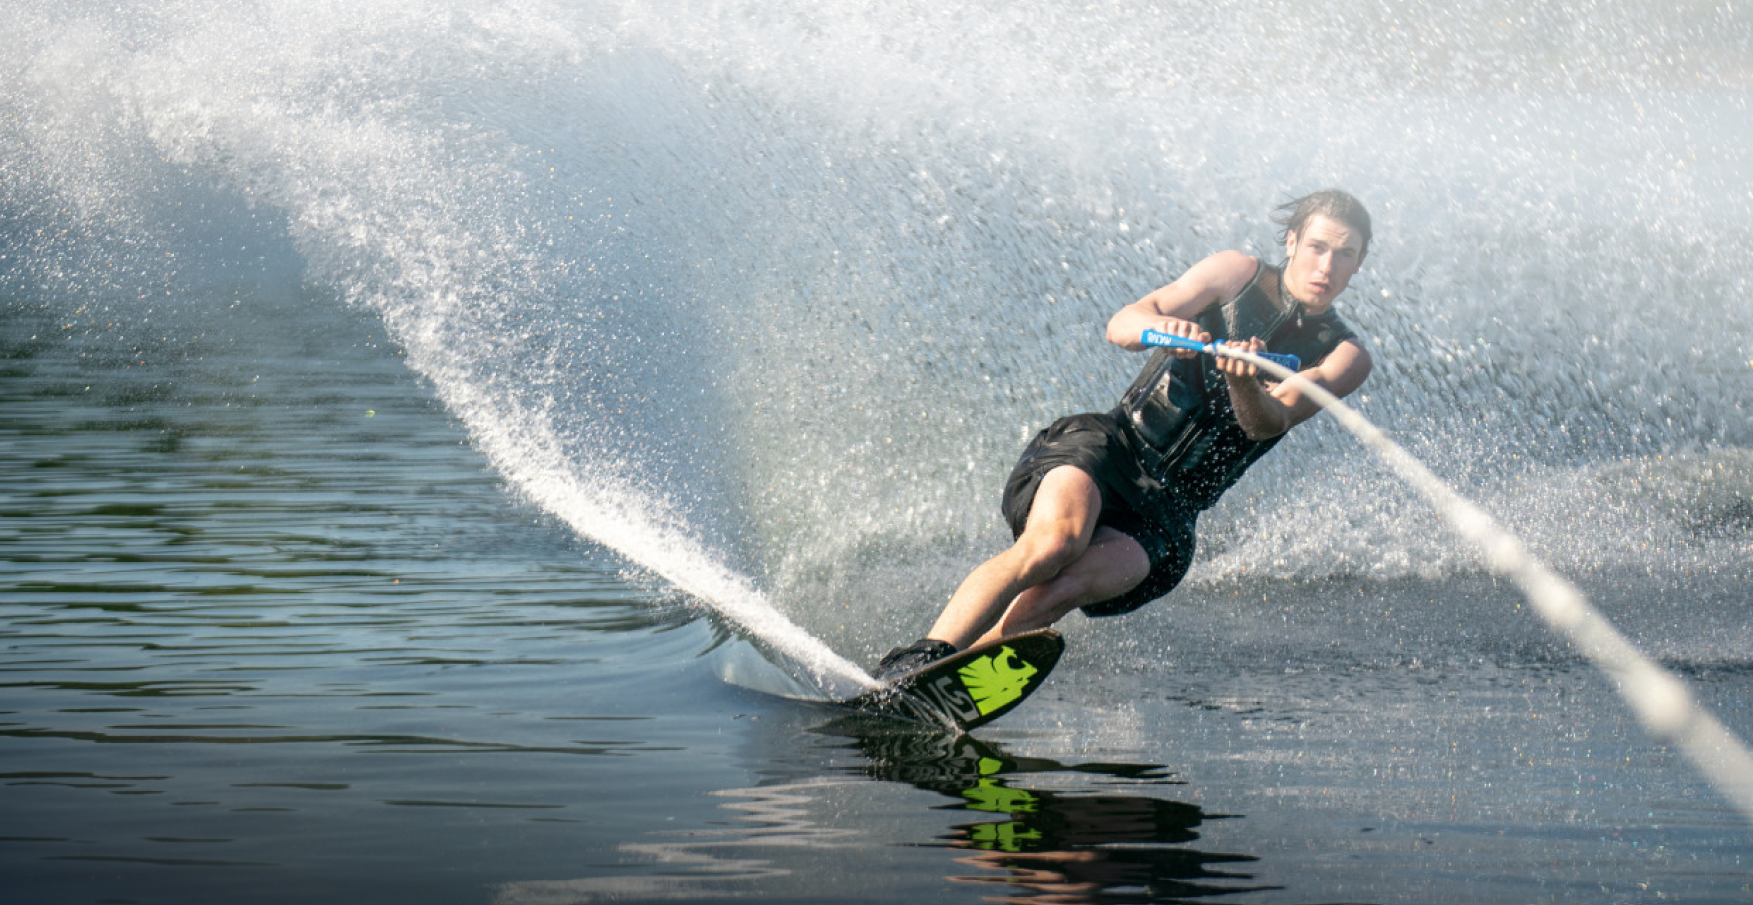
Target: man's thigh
(1066, 504)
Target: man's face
(1320, 260)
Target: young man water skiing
(1102, 506)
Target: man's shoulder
(1228, 272)
(1232, 260)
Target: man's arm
(1267, 410)
(1172, 308)
(1263, 410)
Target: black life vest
(1178, 409)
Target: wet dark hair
(1330, 203)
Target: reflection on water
(708, 863)
(1016, 829)
(1077, 845)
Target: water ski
(970, 689)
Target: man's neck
(1303, 307)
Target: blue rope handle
(1170, 340)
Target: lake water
(430, 433)
(274, 631)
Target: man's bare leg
(1113, 564)
(1062, 519)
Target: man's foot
(913, 656)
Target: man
(1102, 506)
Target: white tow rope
(1662, 703)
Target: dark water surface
(273, 632)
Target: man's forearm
(1260, 416)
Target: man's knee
(1108, 567)
(1046, 553)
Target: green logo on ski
(997, 680)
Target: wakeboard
(969, 689)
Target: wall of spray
(766, 297)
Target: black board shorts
(1133, 503)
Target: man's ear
(1289, 245)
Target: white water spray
(893, 226)
(523, 448)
